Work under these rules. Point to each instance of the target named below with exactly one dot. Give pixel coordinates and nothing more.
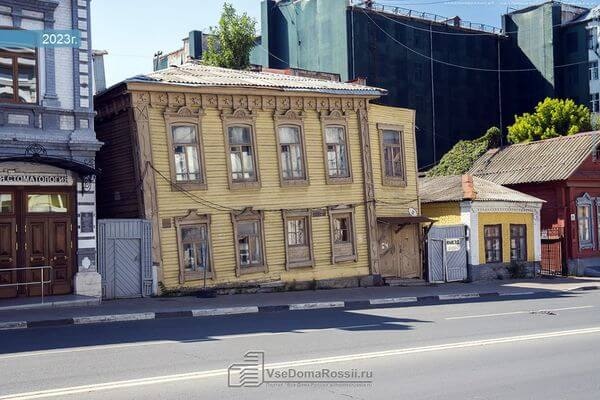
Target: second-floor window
(392, 153)
(291, 153)
(592, 38)
(18, 76)
(337, 152)
(186, 155)
(242, 154)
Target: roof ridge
(558, 138)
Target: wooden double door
(399, 251)
(36, 230)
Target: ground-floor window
(585, 222)
(343, 236)
(492, 235)
(195, 253)
(249, 241)
(518, 242)
(298, 239)
(595, 102)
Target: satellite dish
(413, 212)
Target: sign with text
(35, 179)
(452, 245)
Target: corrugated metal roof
(450, 188)
(196, 74)
(543, 161)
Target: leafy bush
(552, 118)
(463, 155)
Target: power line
(224, 208)
(496, 70)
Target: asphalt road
(518, 348)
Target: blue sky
(133, 30)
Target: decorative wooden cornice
(228, 102)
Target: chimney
(99, 81)
(468, 188)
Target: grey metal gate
(125, 258)
(447, 253)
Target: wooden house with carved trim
(254, 177)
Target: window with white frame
(242, 154)
(292, 153)
(595, 102)
(592, 38)
(594, 71)
(585, 223)
(337, 152)
(186, 155)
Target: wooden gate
(125, 258)
(552, 252)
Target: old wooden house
(565, 172)
(254, 177)
(482, 230)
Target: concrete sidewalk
(174, 307)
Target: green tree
(463, 155)
(231, 41)
(552, 118)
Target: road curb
(209, 312)
(585, 288)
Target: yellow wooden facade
(165, 205)
(444, 214)
(506, 219)
(504, 214)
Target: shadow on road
(196, 329)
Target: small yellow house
(502, 225)
(253, 177)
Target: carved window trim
(289, 215)
(336, 212)
(586, 201)
(249, 215)
(241, 117)
(333, 119)
(291, 118)
(385, 179)
(185, 116)
(194, 219)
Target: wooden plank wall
(271, 197)
(393, 200)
